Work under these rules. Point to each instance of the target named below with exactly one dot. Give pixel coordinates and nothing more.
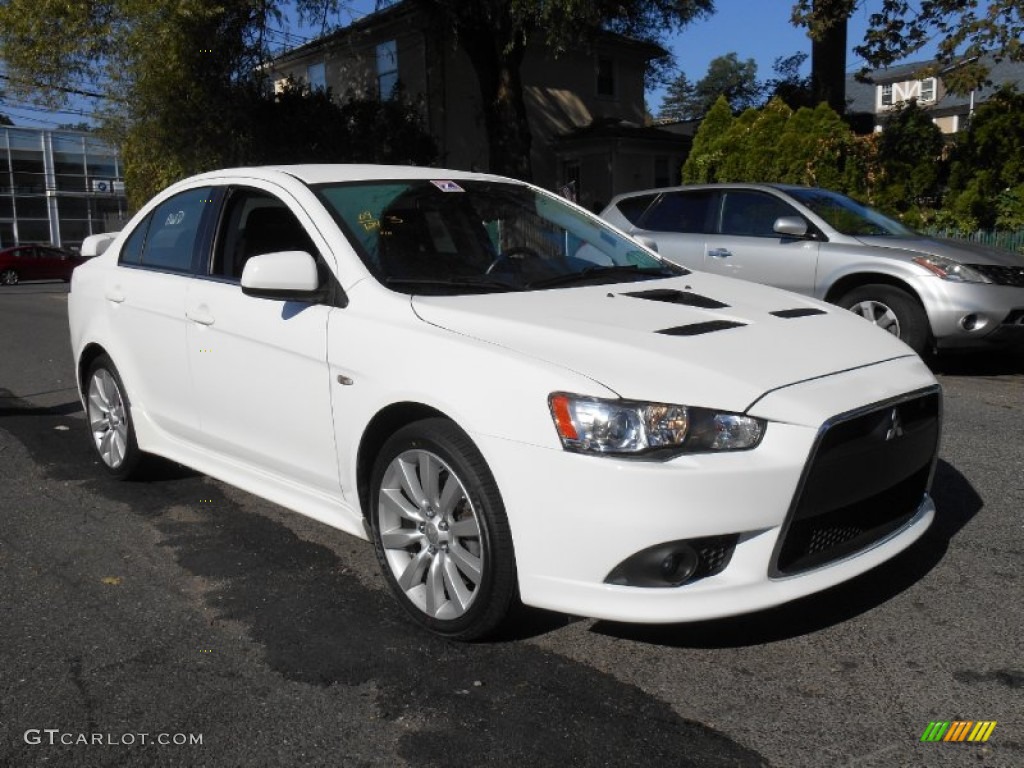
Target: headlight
(950, 269)
(623, 427)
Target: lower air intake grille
(867, 478)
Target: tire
(440, 531)
(9, 277)
(108, 411)
(893, 310)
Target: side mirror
(94, 245)
(791, 226)
(647, 243)
(287, 275)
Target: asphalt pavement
(179, 621)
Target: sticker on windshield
(446, 186)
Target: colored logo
(959, 730)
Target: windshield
(462, 236)
(848, 217)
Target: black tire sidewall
(914, 328)
(497, 587)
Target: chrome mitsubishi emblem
(895, 425)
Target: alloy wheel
(430, 533)
(108, 418)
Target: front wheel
(110, 420)
(440, 530)
(892, 309)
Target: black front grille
(1001, 275)
(866, 479)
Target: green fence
(1011, 241)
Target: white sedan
(512, 399)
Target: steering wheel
(517, 250)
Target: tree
(183, 86)
(706, 154)
(788, 84)
(965, 28)
(726, 76)
(987, 171)
(826, 22)
(494, 35)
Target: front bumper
(574, 517)
(972, 314)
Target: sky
(753, 29)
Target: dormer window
(928, 89)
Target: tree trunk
(501, 96)
(828, 53)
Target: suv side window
(255, 222)
(748, 213)
(685, 212)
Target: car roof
(325, 173)
(721, 185)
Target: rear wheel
(110, 419)
(440, 530)
(9, 277)
(892, 309)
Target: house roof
(604, 129)
(861, 95)
(403, 9)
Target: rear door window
(173, 231)
(685, 212)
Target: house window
(316, 76)
(928, 89)
(387, 69)
(887, 95)
(605, 76)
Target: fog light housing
(974, 321)
(675, 563)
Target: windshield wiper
(482, 283)
(601, 272)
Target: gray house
(886, 89)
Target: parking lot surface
(179, 621)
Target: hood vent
(678, 297)
(798, 312)
(697, 329)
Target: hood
(700, 340)
(964, 252)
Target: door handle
(115, 294)
(200, 315)
(719, 253)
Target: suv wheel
(893, 310)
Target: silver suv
(931, 293)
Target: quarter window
(256, 222)
(752, 214)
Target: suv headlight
(951, 269)
(630, 428)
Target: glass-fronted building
(58, 187)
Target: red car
(36, 262)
